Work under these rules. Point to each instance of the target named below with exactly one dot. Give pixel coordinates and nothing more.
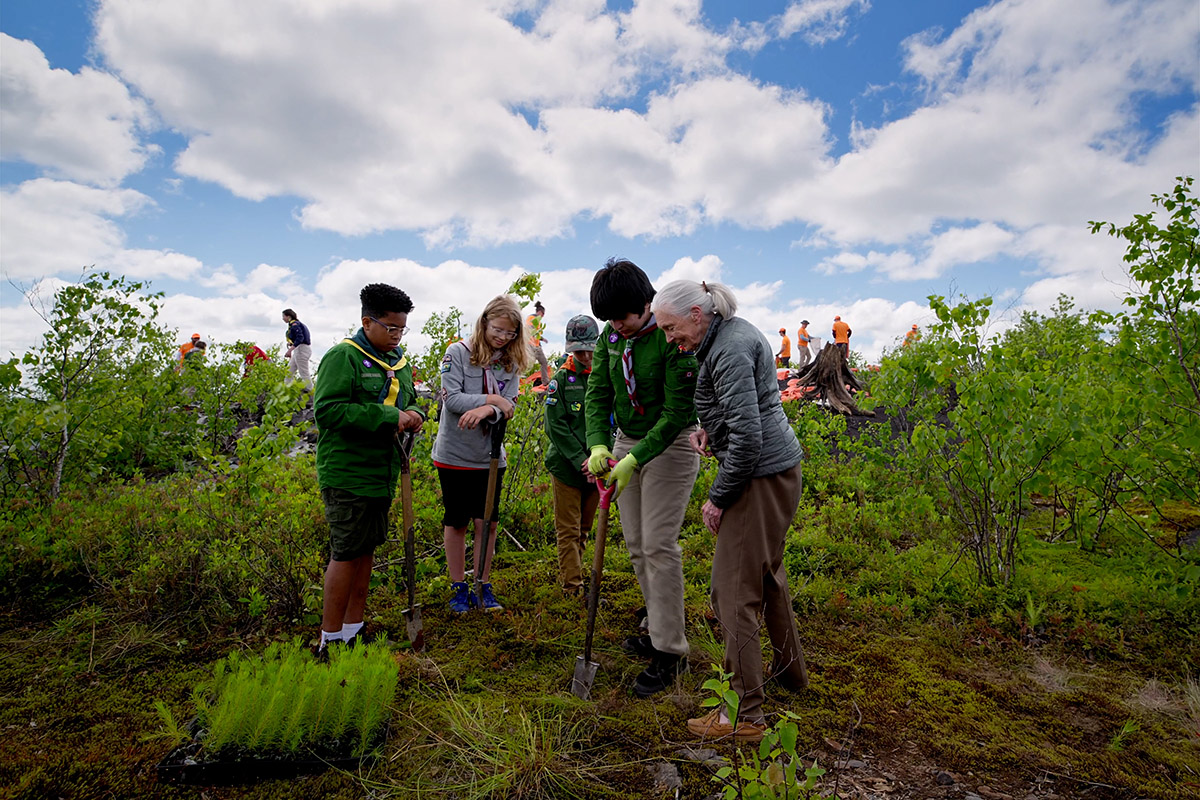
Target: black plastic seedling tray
(181, 765)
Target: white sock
(350, 630)
(331, 636)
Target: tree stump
(829, 376)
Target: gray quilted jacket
(737, 400)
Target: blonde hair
(514, 356)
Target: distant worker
(195, 353)
(784, 356)
(912, 336)
(193, 358)
(255, 353)
(299, 348)
(802, 340)
(841, 336)
(537, 335)
(186, 348)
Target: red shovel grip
(606, 490)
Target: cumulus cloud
(819, 21)
(54, 227)
(82, 126)
(330, 306)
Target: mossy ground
(486, 711)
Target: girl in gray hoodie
(480, 378)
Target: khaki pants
(802, 356)
(539, 355)
(652, 508)
(298, 363)
(749, 580)
(574, 510)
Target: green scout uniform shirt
(565, 424)
(355, 449)
(666, 383)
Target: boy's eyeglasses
(500, 332)
(391, 329)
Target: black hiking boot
(660, 675)
(639, 646)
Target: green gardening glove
(622, 473)
(597, 462)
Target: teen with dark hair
(646, 384)
(480, 378)
(364, 396)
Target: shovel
(412, 614)
(489, 508)
(585, 668)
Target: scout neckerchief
(627, 363)
(391, 390)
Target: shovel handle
(489, 503)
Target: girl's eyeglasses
(501, 333)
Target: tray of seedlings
(284, 714)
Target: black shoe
(364, 637)
(321, 651)
(642, 618)
(639, 646)
(660, 675)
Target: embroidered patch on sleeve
(552, 387)
(446, 366)
(551, 401)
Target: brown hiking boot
(710, 726)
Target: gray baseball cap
(582, 333)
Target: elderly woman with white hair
(753, 498)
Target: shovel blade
(416, 631)
(584, 677)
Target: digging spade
(489, 507)
(412, 614)
(585, 668)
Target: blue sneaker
(489, 601)
(464, 599)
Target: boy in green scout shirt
(575, 496)
(647, 385)
(364, 396)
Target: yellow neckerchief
(393, 386)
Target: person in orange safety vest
(803, 354)
(912, 336)
(784, 356)
(841, 336)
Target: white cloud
(82, 126)
(58, 228)
(895, 263)
(819, 21)
(958, 246)
(331, 309)
(706, 268)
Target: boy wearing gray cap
(575, 494)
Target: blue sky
(819, 156)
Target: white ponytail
(679, 296)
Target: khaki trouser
(539, 355)
(749, 580)
(652, 508)
(574, 510)
(802, 356)
(298, 363)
